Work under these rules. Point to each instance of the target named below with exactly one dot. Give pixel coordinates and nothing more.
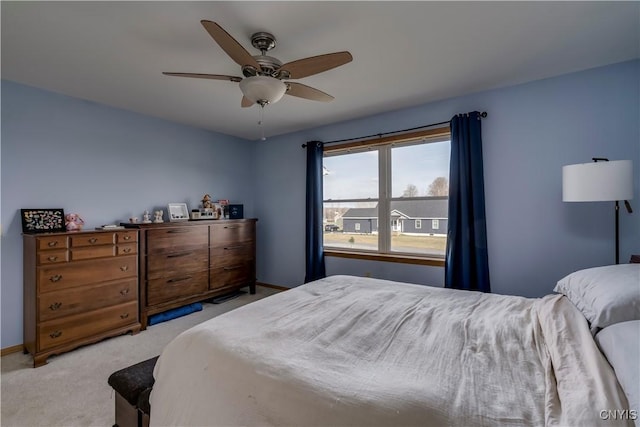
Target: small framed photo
(178, 212)
(42, 220)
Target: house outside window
(435, 224)
(384, 191)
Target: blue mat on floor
(175, 312)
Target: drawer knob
(127, 237)
(52, 258)
(124, 268)
(126, 250)
(52, 244)
(124, 292)
(55, 334)
(180, 279)
(179, 254)
(124, 316)
(55, 278)
(93, 240)
(55, 306)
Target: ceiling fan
(266, 79)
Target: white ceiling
(405, 53)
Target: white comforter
(365, 352)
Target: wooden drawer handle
(232, 268)
(124, 268)
(177, 230)
(230, 248)
(52, 258)
(179, 255)
(230, 226)
(55, 334)
(55, 278)
(124, 292)
(126, 250)
(52, 244)
(55, 306)
(127, 237)
(180, 279)
(124, 316)
(92, 240)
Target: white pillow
(620, 343)
(605, 295)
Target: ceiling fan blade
(307, 92)
(205, 76)
(316, 64)
(234, 49)
(246, 102)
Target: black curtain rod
(380, 135)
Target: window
(378, 193)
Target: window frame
(384, 145)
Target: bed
(348, 350)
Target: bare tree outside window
(439, 187)
(410, 191)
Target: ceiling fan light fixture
(263, 89)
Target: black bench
(133, 385)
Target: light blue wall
(106, 164)
(109, 164)
(531, 131)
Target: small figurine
(73, 222)
(206, 202)
(146, 218)
(157, 216)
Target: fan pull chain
(262, 137)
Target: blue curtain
(315, 268)
(466, 262)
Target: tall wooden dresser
(190, 261)
(79, 288)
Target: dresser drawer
(176, 263)
(231, 233)
(52, 242)
(62, 276)
(168, 289)
(231, 254)
(90, 252)
(171, 239)
(92, 239)
(230, 275)
(71, 328)
(52, 305)
(53, 256)
(126, 249)
(126, 236)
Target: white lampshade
(597, 181)
(263, 89)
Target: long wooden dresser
(190, 261)
(79, 288)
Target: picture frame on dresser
(42, 220)
(178, 212)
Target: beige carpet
(72, 390)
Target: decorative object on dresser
(73, 222)
(186, 262)
(178, 212)
(157, 217)
(79, 288)
(42, 220)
